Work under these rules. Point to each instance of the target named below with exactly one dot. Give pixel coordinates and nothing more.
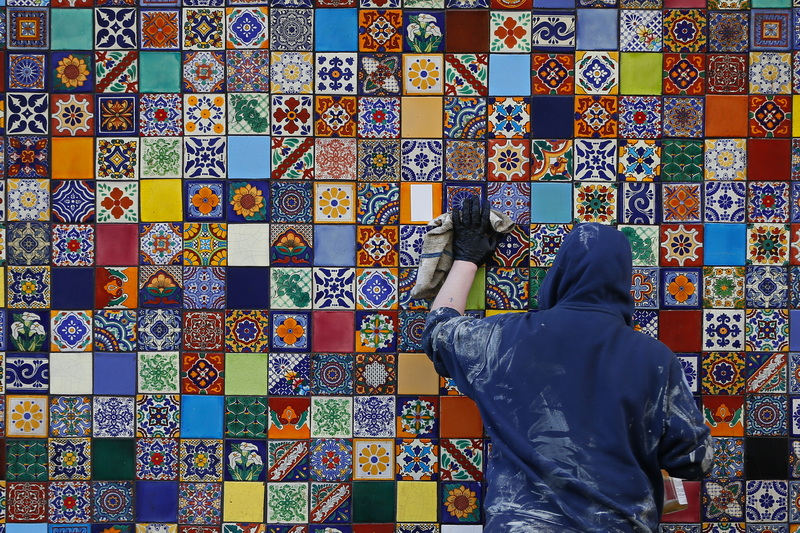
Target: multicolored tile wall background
(212, 214)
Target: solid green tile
(159, 72)
(72, 29)
(373, 501)
(113, 459)
(246, 373)
(640, 73)
(476, 299)
(771, 3)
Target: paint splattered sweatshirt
(582, 410)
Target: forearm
(456, 286)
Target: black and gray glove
(474, 239)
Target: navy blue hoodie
(583, 411)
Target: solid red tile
(467, 31)
(332, 331)
(373, 528)
(681, 330)
(769, 159)
(117, 244)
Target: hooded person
(583, 412)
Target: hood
(592, 269)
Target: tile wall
(212, 213)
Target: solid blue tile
(334, 245)
(202, 417)
(248, 157)
(557, 4)
(115, 373)
(794, 330)
(551, 203)
(248, 287)
(336, 30)
(725, 244)
(597, 29)
(156, 501)
(26, 528)
(552, 117)
(510, 75)
(72, 288)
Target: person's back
(583, 412)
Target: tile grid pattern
(212, 214)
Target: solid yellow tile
(795, 111)
(421, 117)
(492, 312)
(161, 200)
(2, 286)
(415, 375)
(416, 501)
(75, 156)
(244, 501)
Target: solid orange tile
(726, 115)
(75, 157)
(459, 418)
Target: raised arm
(474, 241)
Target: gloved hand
(474, 239)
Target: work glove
(474, 239)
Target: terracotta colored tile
(769, 159)
(467, 31)
(680, 330)
(460, 418)
(726, 116)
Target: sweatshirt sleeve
(686, 449)
(455, 345)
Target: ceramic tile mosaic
(211, 214)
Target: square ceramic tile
(640, 31)
(334, 202)
(331, 417)
(336, 73)
(553, 74)
(770, 73)
(291, 73)
(597, 72)
(373, 459)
